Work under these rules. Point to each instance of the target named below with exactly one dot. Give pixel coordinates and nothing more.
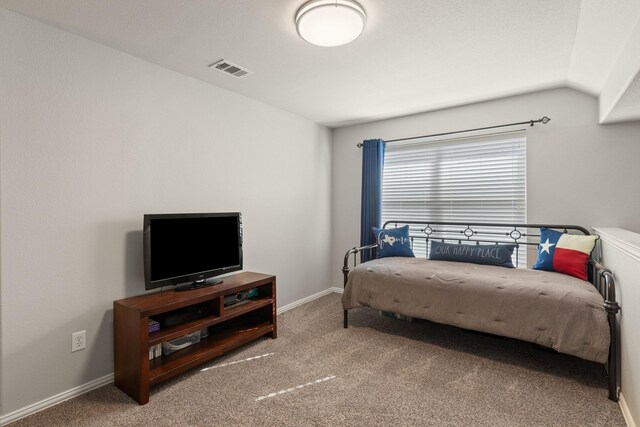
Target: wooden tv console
(236, 325)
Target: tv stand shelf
(233, 326)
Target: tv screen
(188, 249)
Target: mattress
(547, 308)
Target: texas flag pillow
(564, 253)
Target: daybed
(554, 310)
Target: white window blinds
(472, 179)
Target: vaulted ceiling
(414, 56)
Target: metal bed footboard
(517, 234)
(604, 281)
(346, 269)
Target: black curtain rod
(544, 120)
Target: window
(474, 179)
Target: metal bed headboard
(481, 233)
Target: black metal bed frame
(517, 234)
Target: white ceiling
(414, 56)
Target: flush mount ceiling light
(330, 22)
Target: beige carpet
(380, 371)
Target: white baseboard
(307, 299)
(625, 411)
(54, 400)
(107, 379)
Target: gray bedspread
(551, 309)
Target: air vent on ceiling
(230, 68)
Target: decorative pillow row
(560, 252)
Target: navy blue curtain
(371, 202)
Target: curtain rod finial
(545, 120)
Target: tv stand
(235, 325)
(197, 285)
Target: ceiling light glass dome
(330, 22)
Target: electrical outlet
(78, 341)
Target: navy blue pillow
(393, 242)
(478, 254)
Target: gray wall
(578, 171)
(91, 139)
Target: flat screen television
(188, 249)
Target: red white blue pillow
(564, 253)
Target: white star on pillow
(544, 247)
